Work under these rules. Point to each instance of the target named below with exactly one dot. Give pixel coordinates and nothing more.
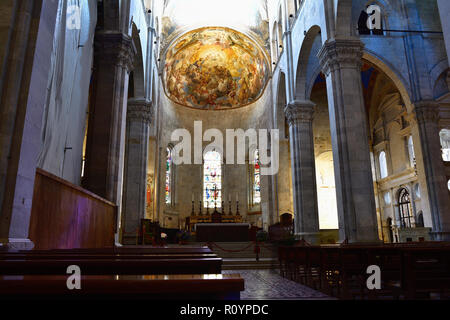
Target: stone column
(114, 53)
(139, 114)
(444, 9)
(26, 66)
(300, 116)
(427, 117)
(341, 63)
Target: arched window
(275, 43)
(212, 179)
(256, 179)
(169, 172)
(404, 204)
(383, 165)
(412, 156)
(445, 144)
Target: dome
(215, 56)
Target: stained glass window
(212, 179)
(256, 179)
(169, 176)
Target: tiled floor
(269, 285)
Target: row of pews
(134, 272)
(408, 271)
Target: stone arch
(307, 58)
(438, 76)
(138, 85)
(397, 78)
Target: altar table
(222, 232)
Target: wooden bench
(121, 250)
(132, 287)
(66, 256)
(96, 266)
(341, 270)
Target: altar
(222, 232)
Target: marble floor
(269, 285)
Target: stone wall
(188, 178)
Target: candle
(192, 197)
(237, 197)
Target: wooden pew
(426, 271)
(65, 256)
(124, 250)
(407, 270)
(185, 287)
(112, 266)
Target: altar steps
(249, 264)
(241, 255)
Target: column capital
(115, 48)
(299, 111)
(426, 111)
(341, 53)
(140, 110)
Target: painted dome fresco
(215, 68)
(212, 61)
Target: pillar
(444, 9)
(427, 117)
(341, 61)
(26, 66)
(300, 117)
(139, 114)
(113, 60)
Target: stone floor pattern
(269, 285)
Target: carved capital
(299, 112)
(426, 111)
(341, 53)
(115, 48)
(139, 110)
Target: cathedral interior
(145, 125)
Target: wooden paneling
(67, 216)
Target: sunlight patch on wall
(326, 191)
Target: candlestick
(229, 204)
(200, 207)
(192, 213)
(237, 208)
(223, 208)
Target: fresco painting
(215, 68)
